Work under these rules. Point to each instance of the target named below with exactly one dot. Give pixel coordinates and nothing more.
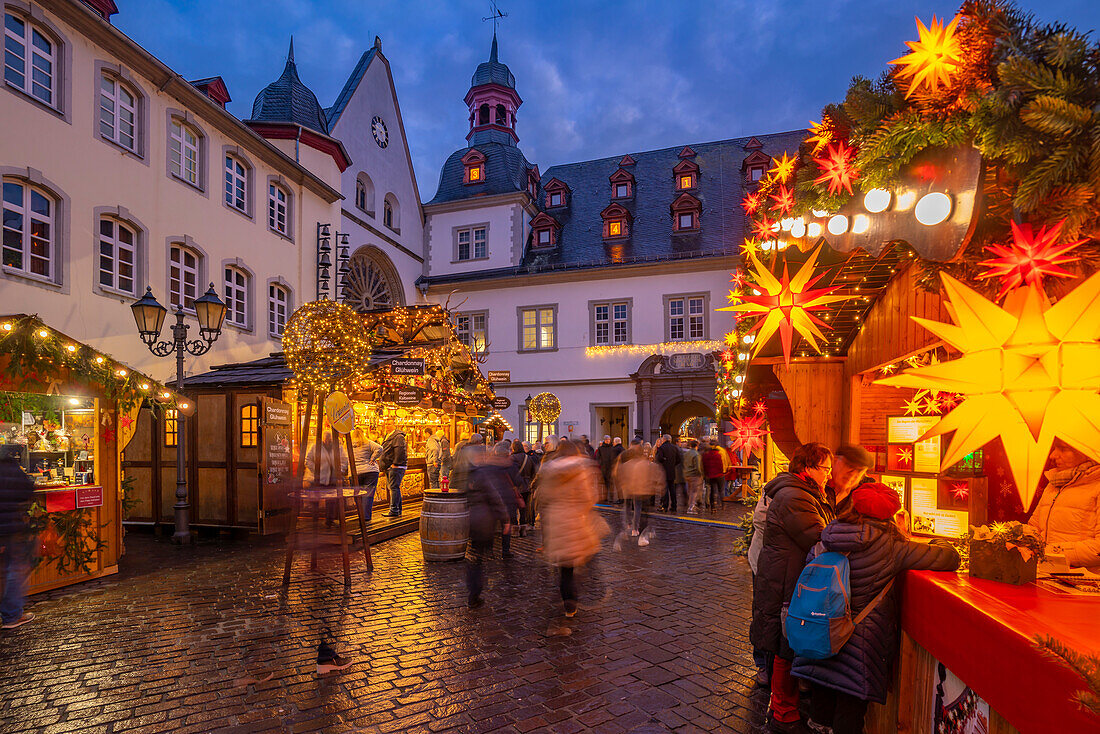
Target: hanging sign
(407, 396)
(407, 366)
(89, 497)
(276, 455)
(499, 375)
(340, 412)
(501, 403)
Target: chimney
(214, 88)
(105, 8)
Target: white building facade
(596, 281)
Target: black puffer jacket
(876, 554)
(797, 513)
(16, 491)
(488, 483)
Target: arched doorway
(690, 417)
(372, 281)
(671, 389)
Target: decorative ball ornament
(326, 345)
(545, 407)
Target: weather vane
(496, 16)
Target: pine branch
(1054, 116)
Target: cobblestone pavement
(206, 639)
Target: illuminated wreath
(545, 407)
(326, 345)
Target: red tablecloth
(983, 631)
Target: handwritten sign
(277, 454)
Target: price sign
(501, 403)
(408, 396)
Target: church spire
(493, 52)
(290, 53)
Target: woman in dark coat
(525, 468)
(508, 487)
(486, 477)
(798, 510)
(878, 550)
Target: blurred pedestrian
(647, 449)
(395, 462)
(508, 485)
(433, 456)
(368, 453)
(637, 480)
(760, 657)
(605, 457)
(850, 467)
(797, 513)
(566, 497)
(486, 509)
(467, 455)
(525, 467)
(16, 492)
(669, 458)
(878, 550)
(715, 467)
(549, 447)
(693, 476)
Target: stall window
(250, 426)
(171, 428)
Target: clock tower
(493, 102)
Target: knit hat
(876, 500)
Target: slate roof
(505, 172)
(720, 188)
(332, 114)
(492, 71)
(287, 99)
(270, 370)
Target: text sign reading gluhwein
(407, 366)
(500, 375)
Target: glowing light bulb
(70, 348)
(798, 229)
(742, 355)
(748, 338)
(43, 333)
(785, 224)
(838, 224)
(876, 200)
(739, 378)
(144, 386)
(906, 200)
(121, 373)
(6, 327)
(99, 360)
(184, 406)
(860, 224)
(755, 292)
(74, 401)
(933, 208)
(819, 212)
(813, 229)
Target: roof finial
(290, 54)
(493, 52)
(496, 16)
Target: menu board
(277, 459)
(926, 456)
(926, 517)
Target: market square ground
(206, 639)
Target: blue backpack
(818, 621)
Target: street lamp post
(149, 315)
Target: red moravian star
(747, 434)
(1030, 257)
(784, 200)
(837, 168)
(751, 203)
(760, 407)
(763, 228)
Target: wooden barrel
(444, 526)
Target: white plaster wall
(92, 173)
(501, 238)
(390, 171)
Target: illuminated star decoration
(762, 229)
(931, 406)
(783, 168)
(1030, 258)
(905, 457)
(932, 59)
(737, 278)
(760, 407)
(751, 203)
(960, 491)
(820, 135)
(747, 434)
(784, 199)
(786, 305)
(913, 407)
(749, 246)
(1029, 372)
(889, 368)
(837, 169)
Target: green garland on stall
(79, 545)
(1087, 666)
(34, 358)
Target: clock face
(379, 131)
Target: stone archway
(372, 281)
(681, 411)
(663, 381)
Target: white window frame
(680, 226)
(544, 237)
(32, 53)
(181, 151)
(544, 327)
(278, 212)
(625, 186)
(470, 333)
(472, 242)
(114, 259)
(26, 233)
(235, 173)
(615, 319)
(235, 284)
(112, 103)
(557, 198)
(686, 317)
(177, 281)
(278, 309)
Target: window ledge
(113, 292)
(536, 351)
(232, 208)
(190, 185)
(368, 212)
(281, 235)
(244, 329)
(693, 230)
(470, 260)
(123, 149)
(24, 275)
(46, 106)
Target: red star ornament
(784, 200)
(1030, 257)
(837, 168)
(762, 228)
(747, 434)
(751, 203)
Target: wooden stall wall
(889, 333)
(816, 392)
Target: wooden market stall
(70, 410)
(250, 417)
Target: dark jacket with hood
(876, 553)
(16, 492)
(487, 484)
(797, 513)
(669, 457)
(394, 452)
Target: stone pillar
(645, 410)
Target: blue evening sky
(597, 78)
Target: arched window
(502, 115)
(183, 276)
(31, 58)
(483, 115)
(391, 213)
(371, 282)
(364, 193)
(236, 183)
(277, 209)
(118, 112)
(118, 245)
(236, 296)
(278, 306)
(30, 229)
(184, 149)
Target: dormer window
(756, 163)
(533, 181)
(474, 167)
(544, 230)
(556, 199)
(686, 181)
(756, 173)
(685, 213)
(622, 184)
(555, 193)
(686, 172)
(616, 222)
